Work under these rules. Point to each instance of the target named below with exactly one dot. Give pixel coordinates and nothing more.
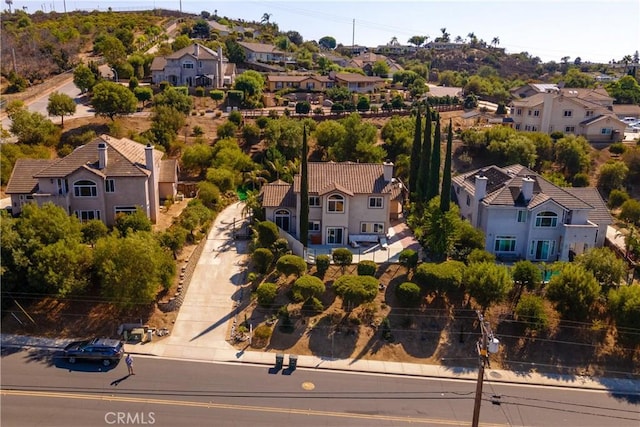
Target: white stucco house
(348, 202)
(524, 216)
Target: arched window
(85, 188)
(335, 203)
(282, 219)
(546, 219)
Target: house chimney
(153, 186)
(102, 155)
(196, 50)
(387, 168)
(220, 69)
(481, 187)
(527, 189)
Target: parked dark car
(106, 350)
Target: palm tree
(445, 36)
(265, 18)
(626, 60)
(394, 41)
(495, 42)
(459, 39)
(256, 178)
(472, 38)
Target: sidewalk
(201, 328)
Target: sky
(594, 30)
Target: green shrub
(342, 257)
(530, 310)
(355, 290)
(322, 264)
(267, 233)
(480, 255)
(261, 336)
(367, 268)
(291, 264)
(617, 148)
(313, 304)
(408, 294)
(262, 122)
(441, 278)
(235, 117)
(580, 179)
(308, 287)
(617, 198)
(267, 293)
(262, 258)
(280, 247)
(227, 129)
(408, 258)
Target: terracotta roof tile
(22, 179)
(278, 193)
(355, 178)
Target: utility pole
(488, 344)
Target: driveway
(201, 328)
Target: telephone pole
(487, 344)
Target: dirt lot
(438, 332)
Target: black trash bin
(279, 360)
(293, 362)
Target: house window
(314, 225)
(336, 203)
(188, 65)
(519, 112)
(334, 235)
(311, 85)
(281, 217)
(527, 128)
(372, 227)
(278, 85)
(505, 244)
(589, 113)
(375, 202)
(529, 112)
(200, 64)
(85, 188)
(536, 113)
(518, 126)
(546, 219)
(567, 113)
(85, 216)
(63, 186)
(314, 201)
(125, 209)
(468, 200)
(522, 216)
(110, 186)
(605, 131)
(542, 249)
(534, 128)
(569, 129)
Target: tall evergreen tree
(415, 157)
(445, 194)
(304, 192)
(434, 172)
(425, 156)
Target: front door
(334, 236)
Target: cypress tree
(425, 155)
(434, 172)
(415, 158)
(445, 194)
(304, 192)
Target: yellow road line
(211, 405)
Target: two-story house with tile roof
(98, 180)
(192, 66)
(583, 112)
(261, 52)
(524, 216)
(367, 60)
(348, 202)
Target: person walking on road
(129, 361)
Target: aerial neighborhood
(380, 194)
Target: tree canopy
(112, 99)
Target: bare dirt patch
(438, 332)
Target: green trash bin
(279, 360)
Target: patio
(399, 237)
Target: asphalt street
(41, 388)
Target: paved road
(40, 388)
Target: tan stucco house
(583, 112)
(348, 202)
(192, 66)
(261, 52)
(524, 216)
(98, 180)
